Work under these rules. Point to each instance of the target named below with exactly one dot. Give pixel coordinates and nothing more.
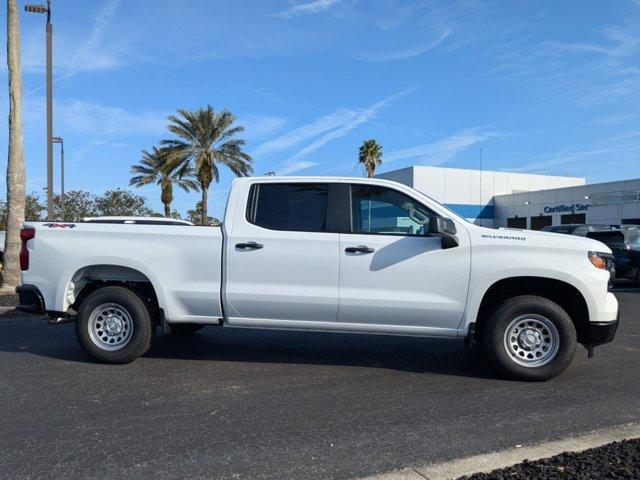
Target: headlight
(599, 260)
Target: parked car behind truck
(625, 245)
(579, 229)
(326, 254)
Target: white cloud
(259, 126)
(443, 150)
(587, 74)
(292, 167)
(320, 132)
(622, 43)
(326, 128)
(306, 132)
(543, 163)
(361, 116)
(315, 6)
(91, 55)
(85, 118)
(72, 55)
(409, 52)
(79, 117)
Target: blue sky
(541, 87)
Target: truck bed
(183, 263)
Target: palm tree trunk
(203, 206)
(15, 162)
(167, 210)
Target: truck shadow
(441, 356)
(30, 336)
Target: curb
(486, 463)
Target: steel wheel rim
(531, 340)
(110, 326)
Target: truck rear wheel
(114, 325)
(530, 338)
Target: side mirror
(444, 228)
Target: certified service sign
(574, 207)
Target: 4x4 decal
(59, 225)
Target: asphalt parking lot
(247, 404)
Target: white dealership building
(501, 199)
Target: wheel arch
(564, 294)
(90, 278)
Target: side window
(289, 206)
(384, 211)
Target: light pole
(47, 11)
(60, 140)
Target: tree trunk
(15, 163)
(166, 195)
(203, 205)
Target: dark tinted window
(538, 223)
(385, 211)
(293, 206)
(573, 218)
(517, 222)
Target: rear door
(282, 254)
(391, 272)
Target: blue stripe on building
(472, 211)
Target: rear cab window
(301, 207)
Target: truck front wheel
(530, 338)
(114, 325)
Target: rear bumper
(31, 300)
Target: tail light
(26, 234)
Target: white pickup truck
(326, 254)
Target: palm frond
(203, 140)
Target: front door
(282, 255)
(392, 273)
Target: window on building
(517, 222)
(573, 218)
(631, 221)
(298, 207)
(538, 223)
(385, 211)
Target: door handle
(249, 246)
(360, 249)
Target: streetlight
(61, 142)
(47, 11)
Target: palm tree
(16, 184)
(153, 168)
(206, 139)
(370, 156)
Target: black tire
(185, 328)
(510, 357)
(141, 330)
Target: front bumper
(31, 300)
(600, 333)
